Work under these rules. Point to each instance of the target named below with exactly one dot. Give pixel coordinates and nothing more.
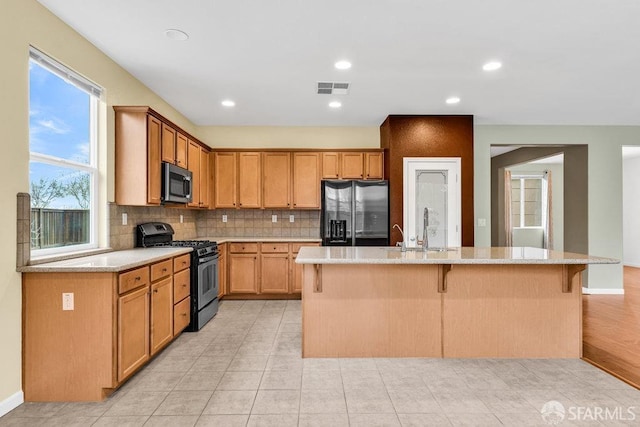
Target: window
(63, 167)
(528, 206)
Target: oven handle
(208, 259)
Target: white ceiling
(565, 62)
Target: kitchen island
(462, 302)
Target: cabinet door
(274, 277)
(225, 180)
(193, 159)
(276, 179)
(306, 180)
(330, 165)
(204, 178)
(181, 285)
(181, 315)
(249, 180)
(181, 150)
(168, 144)
(133, 332)
(352, 165)
(154, 131)
(373, 168)
(161, 314)
(243, 273)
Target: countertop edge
(73, 267)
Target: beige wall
(290, 137)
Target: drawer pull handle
(164, 269)
(138, 278)
(184, 285)
(183, 314)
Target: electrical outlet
(292, 218)
(124, 218)
(274, 218)
(181, 219)
(224, 218)
(482, 222)
(67, 301)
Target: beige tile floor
(244, 369)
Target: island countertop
(462, 255)
(115, 261)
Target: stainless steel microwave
(176, 184)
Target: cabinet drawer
(181, 315)
(273, 248)
(295, 247)
(181, 285)
(243, 248)
(181, 262)
(161, 269)
(133, 279)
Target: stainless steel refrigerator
(355, 213)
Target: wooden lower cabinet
(117, 323)
(181, 315)
(264, 270)
(274, 277)
(161, 314)
(133, 332)
(243, 273)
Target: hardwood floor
(611, 330)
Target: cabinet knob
(336, 175)
(183, 314)
(155, 291)
(137, 278)
(240, 204)
(184, 285)
(164, 269)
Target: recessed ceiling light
(178, 35)
(342, 65)
(335, 104)
(492, 66)
(452, 100)
(228, 103)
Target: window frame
(543, 203)
(92, 168)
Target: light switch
(181, 219)
(292, 218)
(482, 222)
(124, 218)
(274, 218)
(224, 218)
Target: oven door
(207, 281)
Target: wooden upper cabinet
(168, 143)
(224, 181)
(249, 180)
(330, 165)
(276, 180)
(194, 166)
(182, 142)
(352, 165)
(154, 164)
(373, 166)
(306, 180)
(205, 191)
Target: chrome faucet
(403, 247)
(425, 224)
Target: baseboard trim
(602, 291)
(11, 403)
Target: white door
(432, 200)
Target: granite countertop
(464, 255)
(107, 262)
(262, 239)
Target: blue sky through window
(59, 120)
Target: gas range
(204, 268)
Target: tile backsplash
(195, 224)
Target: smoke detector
(333, 88)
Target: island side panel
(511, 311)
(371, 311)
(68, 354)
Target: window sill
(69, 255)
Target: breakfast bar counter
(460, 302)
